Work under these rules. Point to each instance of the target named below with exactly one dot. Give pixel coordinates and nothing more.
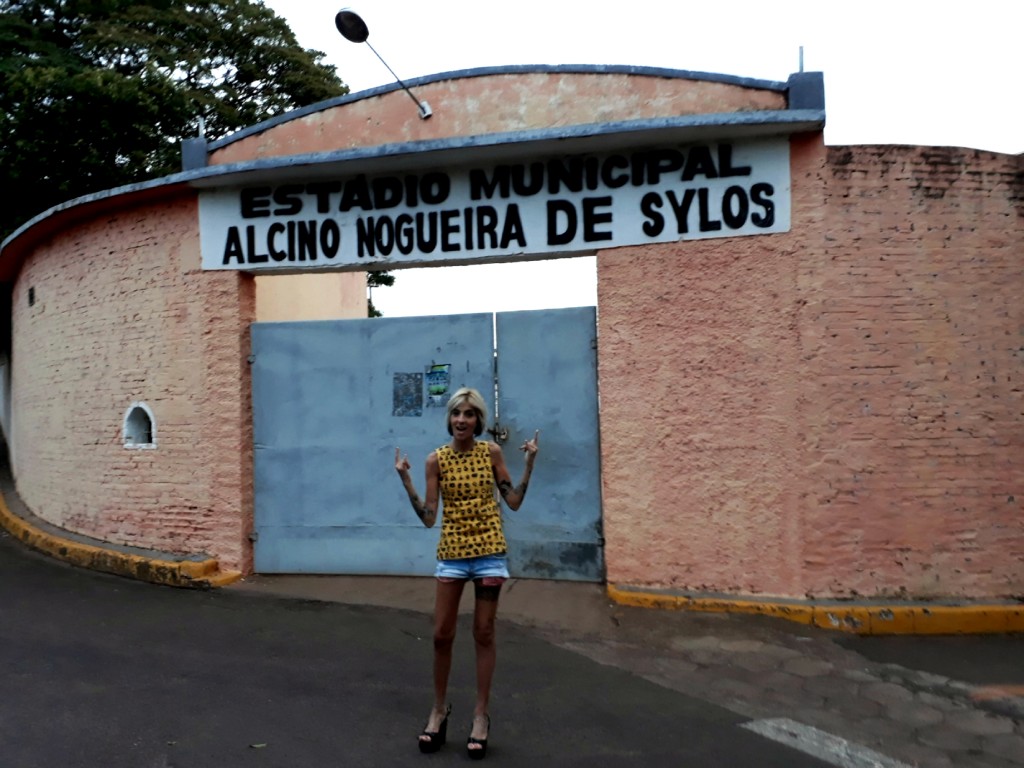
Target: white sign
(501, 212)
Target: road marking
(821, 744)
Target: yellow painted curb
(201, 574)
(854, 618)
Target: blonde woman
(463, 474)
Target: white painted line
(821, 744)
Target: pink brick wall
(123, 313)
(831, 412)
(914, 331)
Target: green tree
(95, 94)
(376, 280)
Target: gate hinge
(251, 359)
(254, 536)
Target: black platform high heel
(481, 751)
(435, 739)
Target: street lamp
(354, 29)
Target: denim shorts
(490, 570)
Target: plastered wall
(495, 103)
(833, 412)
(123, 313)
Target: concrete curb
(156, 568)
(855, 617)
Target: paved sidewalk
(796, 682)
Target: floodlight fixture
(352, 27)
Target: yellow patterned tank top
(470, 515)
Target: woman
(472, 548)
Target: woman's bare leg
(484, 615)
(446, 613)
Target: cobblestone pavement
(760, 670)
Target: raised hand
(401, 462)
(530, 447)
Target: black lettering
(526, 188)
(405, 234)
(663, 161)
(435, 188)
(608, 175)
(735, 207)
(567, 172)
(384, 234)
(725, 167)
(426, 232)
(252, 256)
(513, 228)
(233, 247)
(356, 194)
(592, 172)
(487, 227)
(707, 224)
(591, 218)
(449, 229)
(480, 186)
(365, 244)
(649, 205)
(638, 174)
(699, 163)
(306, 241)
(255, 202)
(467, 222)
(681, 209)
(412, 195)
(387, 192)
(287, 199)
(556, 234)
(276, 253)
(330, 238)
(322, 191)
(761, 194)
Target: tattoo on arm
(505, 488)
(420, 508)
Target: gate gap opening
(501, 287)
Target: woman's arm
(514, 496)
(425, 510)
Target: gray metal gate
(332, 400)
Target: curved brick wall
(123, 313)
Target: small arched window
(139, 427)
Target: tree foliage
(99, 93)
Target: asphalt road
(981, 660)
(99, 671)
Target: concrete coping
(170, 569)
(861, 616)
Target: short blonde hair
(476, 402)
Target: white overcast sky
(943, 72)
